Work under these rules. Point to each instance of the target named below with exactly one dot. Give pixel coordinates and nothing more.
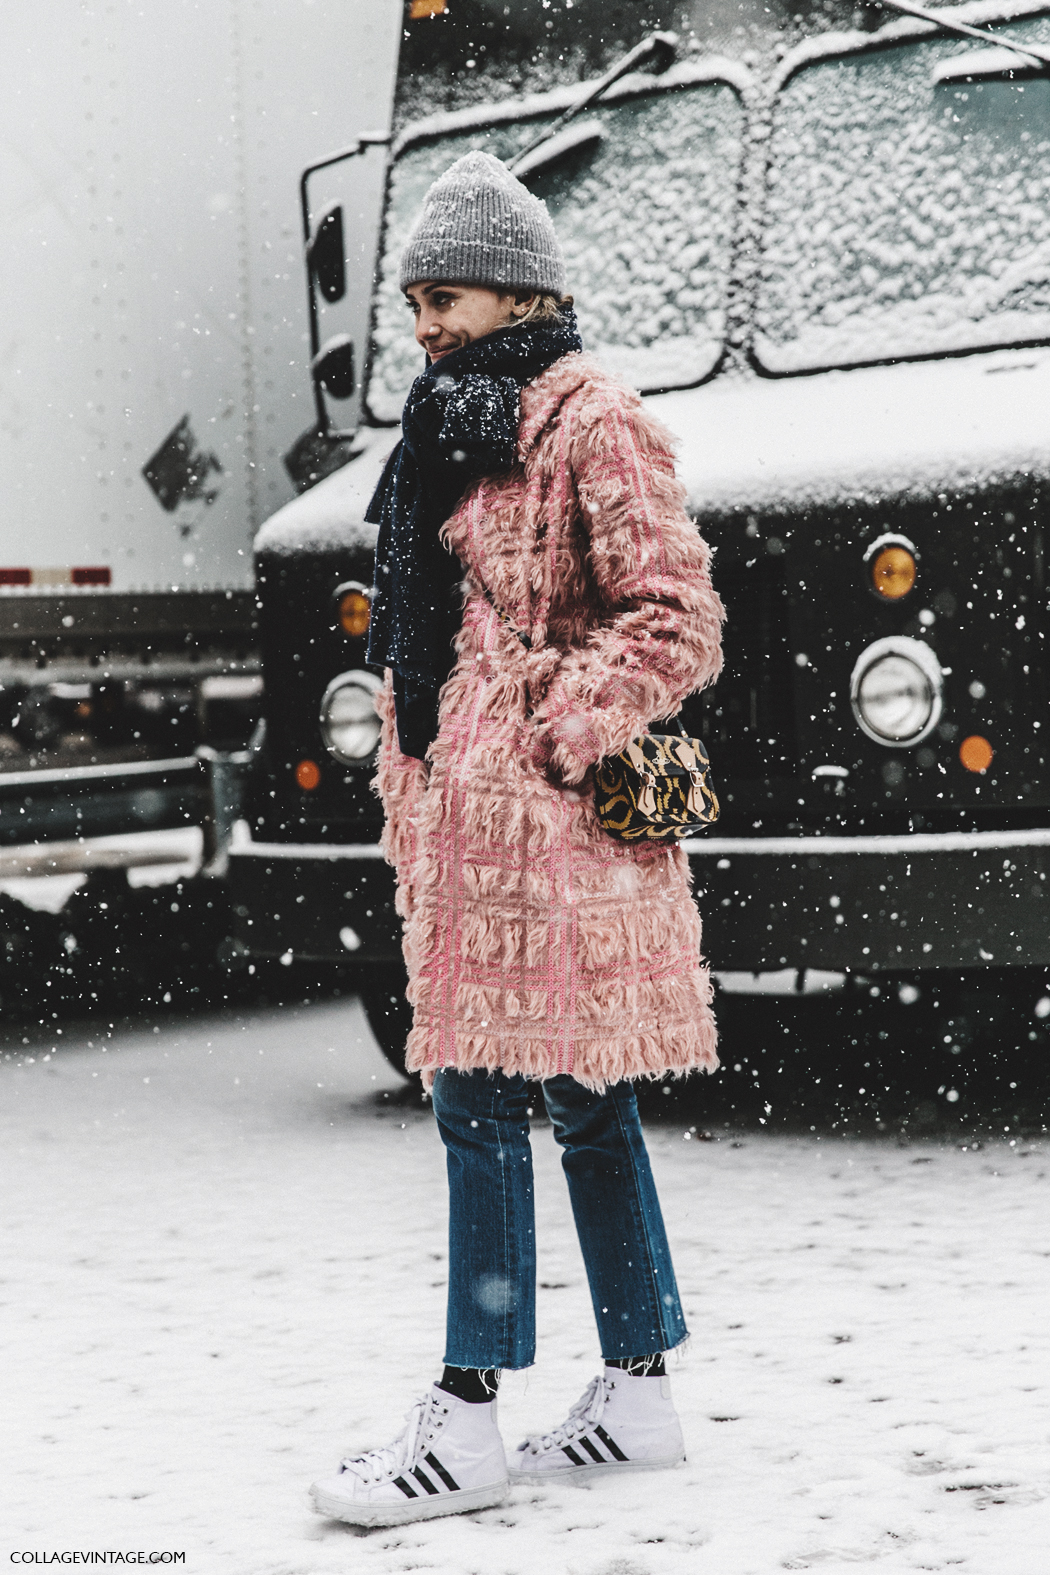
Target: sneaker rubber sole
(607, 1468)
(460, 1502)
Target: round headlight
(896, 690)
(349, 724)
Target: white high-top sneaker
(618, 1424)
(448, 1459)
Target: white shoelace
(392, 1459)
(586, 1413)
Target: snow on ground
(224, 1265)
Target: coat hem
(596, 1063)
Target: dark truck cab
(306, 877)
(835, 289)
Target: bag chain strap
(519, 634)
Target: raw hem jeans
(483, 1119)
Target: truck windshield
(644, 208)
(909, 206)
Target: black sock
(473, 1384)
(640, 1366)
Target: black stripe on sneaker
(409, 1492)
(424, 1481)
(594, 1453)
(567, 1449)
(614, 1449)
(446, 1476)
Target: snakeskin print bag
(657, 789)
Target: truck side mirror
(321, 450)
(333, 366)
(326, 255)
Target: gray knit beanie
(480, 225)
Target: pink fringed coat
(534, 941)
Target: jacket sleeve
(658, 634)
(400, 782)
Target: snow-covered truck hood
(331, 515)
(753, 443)
(863, 435)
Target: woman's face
(449, 316)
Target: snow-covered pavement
(223, 1265)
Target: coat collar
(544, 396)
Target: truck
(831, 279)
(152, 353)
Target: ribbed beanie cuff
(480, 225)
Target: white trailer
(154, 372)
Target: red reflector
(976, 753)
(307, 774)
(15, 577)
(91, 577)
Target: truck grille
(748, 718)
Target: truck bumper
(870, 904)
(312, 902)
(860, 904)
(99, 801)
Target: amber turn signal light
(976, 753)
(355, 609)
(893, 573)
(308, 774)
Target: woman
(538, 948)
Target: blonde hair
(546, 308)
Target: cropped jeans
(484, 1124)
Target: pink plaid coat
(534, 941)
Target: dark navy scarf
(460, 423)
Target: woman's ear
(522, 305)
